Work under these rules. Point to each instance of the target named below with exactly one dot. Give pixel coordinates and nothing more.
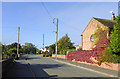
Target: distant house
(45, 49)
(78, 46)
(87, 35)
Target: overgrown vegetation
(110, 47)
(100, 38)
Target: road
(37, 66)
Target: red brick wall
(85, 56)
(59, 56)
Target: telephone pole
(43, 41)
(18, 43)
(56, 36)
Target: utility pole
(56, 36)
(18, 43)
(43, 41)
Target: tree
(52, 49)
(13, 45)
(114, 45)
(12, 51)
(4, 49)
(64, 43)
(29, 48)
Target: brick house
(87, 38)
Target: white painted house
(45, 49)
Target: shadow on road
(23, 70)
(28, 58)
(39, 71)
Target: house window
(92, 38)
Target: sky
(34, 20)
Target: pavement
(19, 69)
(33, 66)
(112, 73)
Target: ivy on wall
(110, 47)
(100, 38)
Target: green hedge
(64, 52)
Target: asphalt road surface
(37, 66)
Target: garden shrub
(83, 55)
(64, 52)
(43, 55)
(112, 52)
(79, 49)
(39, 52)
(109, 57)
(47, 54)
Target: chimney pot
(113, 17)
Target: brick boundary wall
(112, 66)
(59, 56)
(106, 65)
(74, 56)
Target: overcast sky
(34, 20)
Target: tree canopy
(29, 48)
(64, 43)
(13, 45)
(114, 45)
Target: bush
(13, 54)
(47, 54)
(109, 57)
(39, 52)
(79, 49)
(64, 52)
(83, 55)
(43, 55)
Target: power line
(47, 10)
(54, 18)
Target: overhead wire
(46, 10)
(54, 18)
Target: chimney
(113, 17)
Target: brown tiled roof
(47, 47)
